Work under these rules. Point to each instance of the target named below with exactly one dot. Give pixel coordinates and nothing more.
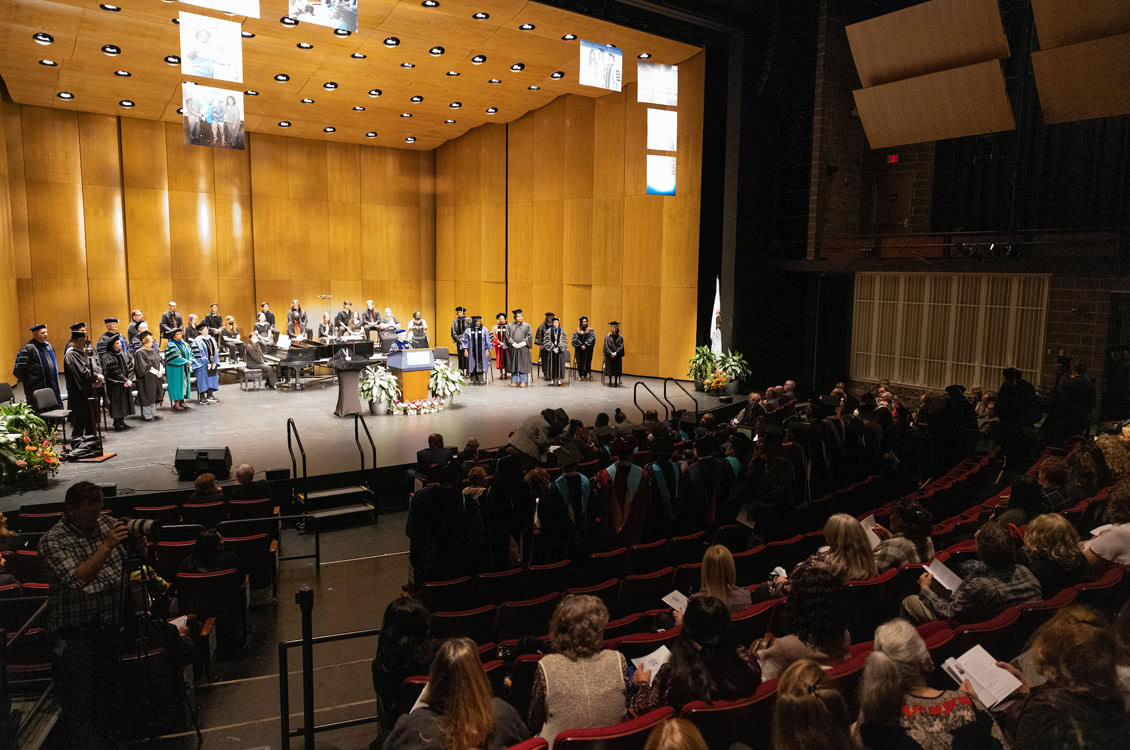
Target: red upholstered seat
(27, 566)
(220, 594)
(170, 555)
(261, 508)
(522, 682)
(1032, 616)
(848, 675)
(752, 623)
(627, 735)
(647, 558)
(526, 617)
(785, 553)
(498, 587)
(638, 593)
(686, 549)
(258, 554)
(732, 536)
(1107, 593)
(749, 566)
(35, 522)
(688, 577)
(162, 513)
(871, 602)
(537, 743)
(207, 515)
(641, 644)
(608, 591)
(601, 566)
(543, 579)
(747, 720)
(476, 624)
(623, 626)
(446, 596)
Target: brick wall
(916, 159)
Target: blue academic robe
(205, 356)
(478, 344)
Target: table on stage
(413, 370)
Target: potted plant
(701, 366)
(380, 388)
(28, 456)
(736, 367)
(445, 382)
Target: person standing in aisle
(584, 342)
(614, 355)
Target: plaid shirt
(72, 602)
(1055, 498)
(985, 594)
(898, 550)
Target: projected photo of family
(210, 48)
(337, 14)
(601, 66)
(212, 116)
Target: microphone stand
(94, 401)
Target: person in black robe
(118, 369)
(475, 347)
(81, 382)
(112, 332)
(327, 331)
(614, 355)
(458, 326)
(297, 321)
(170, 321)
(444, 532)
(344, 315)
(1016, 409)
(539, 339)
(149, 369)
(1070, 411)
(584, 342)
(555, 350)
(36, 366)
(265, 309)
(213, 320)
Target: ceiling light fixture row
(453, 73)
(480, 16)
(282, 77)
(407, 65)
(430, 3)
(251, 92)
(329, 129)
(417, 98)
(358, 56)
(478, 59)
(557, 75)
(65, 95)
(284, 123)
(306, 101)
(568, 37)
(375, 93)
(48, 63)
(122, 73)
(516, 67)
(127, 103)
(410, 139)
(436, 51)
(111, 50)
(527, 27)
(494, 80)
(371, 134)
(109, 8)
(247, 35)
(329, 85)
(42, 37)
(342, 32)
(288, 22)
(644, 55)
(358, 108)
(172, 59)
(304, 45)
(391, 41)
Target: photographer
(85, 559)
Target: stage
(253, 425)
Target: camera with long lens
(142, 527)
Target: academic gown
(584, 342)
(539, 339)
(148, 384)
(296, 322)
(205, 363)
(624, 492)
(178, 359)
(477, 343)
(614, 345)
(458, 326)
(555, 348)
(37, 368)
(418, 333)
(80, 387)
(102, 348)
(498, 337)
(519, 336)
(117, 367)
(342, 318)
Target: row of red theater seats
(205, 514)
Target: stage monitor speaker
(192, 462)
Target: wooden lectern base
(413, 384)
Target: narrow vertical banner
(662, 130)
(657, 83)
(212, 116)
(660, 175)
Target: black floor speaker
(192, 462)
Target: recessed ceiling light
(127, 103)
(284, 123)
(430, 3)
(358, 56)
(375, 93)
(492, 110)
(453, 73)
(478, 59)
(527, 27)
(176, 21)
(247, 35)
(288, 21)
(371, 134)
(494, 80)
(557, 75)
(329, 129)
(172, 59)
(518, 66)
(307, 101)
(108, 7)
(417, 98)
(410, 139)
(405, 114)
(122, 73)
(111, 49)
(568, 37)
(391, 41)
(342, 32)
(358, 108)
(455, 105)
(449, 122)
(329, 85)
(48, 63)
(42, 37)
(407, 65)
(436, 51)
(534, 88)
(65, 95)
(304, 45)
(282, 77)
(644, 55)
(180, 110)
(251, 92)
(610, 46)
(480, 16)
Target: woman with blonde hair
(718, 578)
(1051, 551)
(898, 709)
(1115, 454)
(456, 710)
(847, 555)
(581, 684)
(810, 713)
(675, 734)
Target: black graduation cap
(582, 319)
(500, 315)
(613, 322)
(77, 326)
(1012, 372)
(517, 311)
(556, 319)
(76, 335)
(37, 326)
(109, 320)
(549, 315)
(476, 317)
(460, 309)
(201, 326)
(955, 390)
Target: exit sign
(892, 158)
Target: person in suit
(171, 320)
(135, 319)
(434, 455)
(370, 319)
(247, 487)
(344, 316)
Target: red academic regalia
(622, 511)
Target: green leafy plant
(735, 366)
(378, 384)
(27, 444)
(702, 364)
(445, 382)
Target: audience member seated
(751, 412)
(1080, 705)
(818, 619)
(1025, 502)
(623, 427)
(435, 455)
(1122, 638)
(9, 540)
(676, 734)
(208, 555)
(601, 429)
(718, 576)
(470, 451)
(899, 711)
(809, 713)
(1056, 493)
(205, 490)
(706, 425)
(847, 556)
(1082, 473)
(6, 579)
(446, 536)
(405, 648)
(456, 710)
(1115, 455)
(1112, 546)
(1051, 551)
(992, 586)
(247, 487)
(581, 684)
(705, 664)
(908, 540)
(476, 485)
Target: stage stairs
(334, 504)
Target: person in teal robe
(178, 360)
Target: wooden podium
(413, 370)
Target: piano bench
(250, 379)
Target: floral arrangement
(426, 406)
(27, 445)
(445, 382)
(378, 384)
(715, 382)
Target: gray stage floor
(253, 425)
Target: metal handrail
(292, 431)
(635, 400)
(685, 391)
(360, 420)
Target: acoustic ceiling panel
(926, 38)
(949, 104)
(1085, 80)
(1063, 22)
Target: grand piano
(296, 361)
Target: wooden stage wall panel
(1085, 80)
(11, 335)
(1063, 22)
